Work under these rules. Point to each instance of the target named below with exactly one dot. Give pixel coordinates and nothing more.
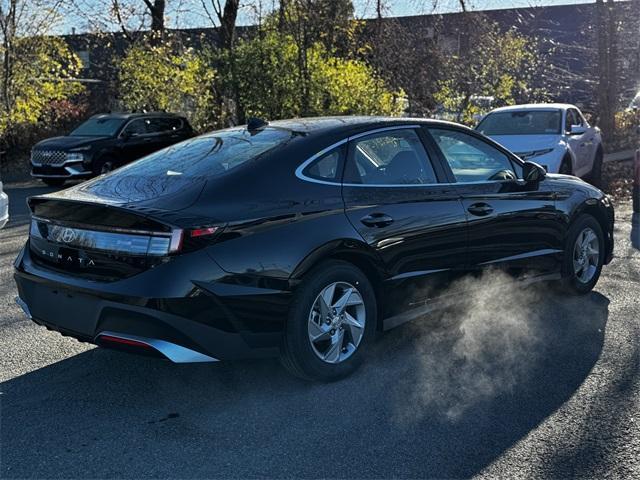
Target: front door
(394, 199)
(512, 225)
(579, 143)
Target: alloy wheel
(336, 322)
(586, 255)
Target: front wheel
(583, 256)
(332, 321)
(595, 177)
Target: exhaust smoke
(477, 349)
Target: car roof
(128, 116)
(535, 106)
(352, 124)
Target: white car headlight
(75, 157)
(534, 153)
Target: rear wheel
(583, 255)
(53, 182)
(332, 321)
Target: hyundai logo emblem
(68, 235)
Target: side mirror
(125, 136)
(533, 173)
(577, 130)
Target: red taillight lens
(123, 341)
(203, 232)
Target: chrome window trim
(326, 150)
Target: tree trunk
(607, 66)
(8, 25)
(157, 15)
(228, 24)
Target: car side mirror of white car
(577, 130)
(533, 172)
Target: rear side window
(389, 158)
(327, 167)
(161, 125)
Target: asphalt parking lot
(514, 383)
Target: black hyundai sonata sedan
(299, 238)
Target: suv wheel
(332, 321)
(583, 255)
(104, 165)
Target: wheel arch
(356, 253)
(594, 210)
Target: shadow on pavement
(108, 414)
(635, 231)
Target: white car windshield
(522, 122)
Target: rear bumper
(160, 306)
(4, 209)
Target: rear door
(395, 199)
(511, 225)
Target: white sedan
(4, 207)
(557, 136)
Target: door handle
(377, 220)
(480, 209)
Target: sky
(416, 7)
(190, 13)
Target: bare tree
(224, 18)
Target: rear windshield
(522, 122)
(187, 163)
(98, 127)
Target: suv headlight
(534, 153)
(75, 157)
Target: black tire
(103, 165)
(565, 167)
(297, 354)
(53, 182)
(595, 177)
(571, 283)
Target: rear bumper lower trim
(25, 307)
(175, 353)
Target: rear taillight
(177, 239)
(203, 232)
(122, 241)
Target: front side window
(98, 127)
(137, 127)
(471, 159)
(389, 158)
(522, 122)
